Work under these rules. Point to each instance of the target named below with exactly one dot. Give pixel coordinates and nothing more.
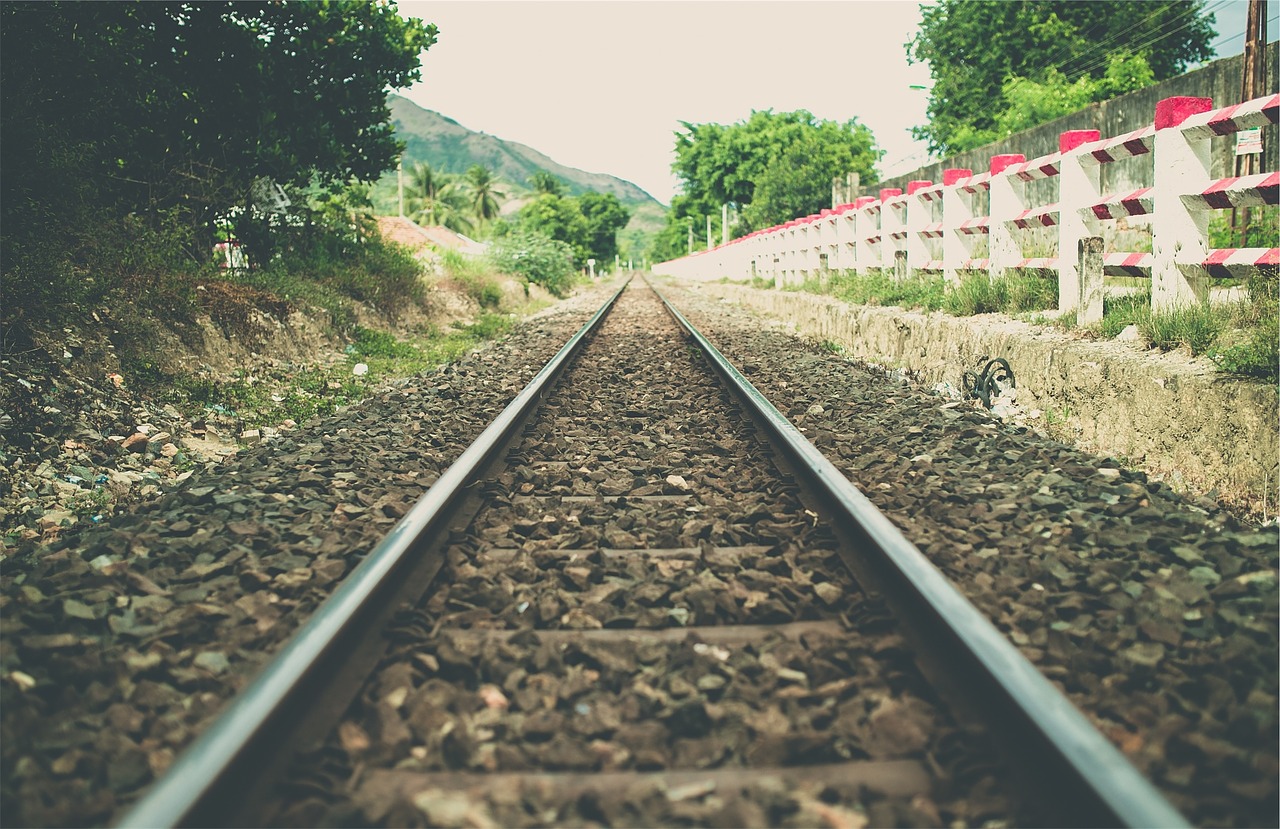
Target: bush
(537, 258)
(474, 277)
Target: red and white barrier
(941, 227)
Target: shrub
(474, 277)
(537, 258)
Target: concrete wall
(1168, 414)
(1219, 80)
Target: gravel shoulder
(122, 640)
(1156, 614)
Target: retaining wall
(1168, 414)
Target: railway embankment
(1175, 417)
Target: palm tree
(435, 199)
(484, 193)
(544, 182)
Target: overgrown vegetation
(1019, 292)
(136, 134)
(536, 257)
(1243, 338)
(999, 67)
(319, 390)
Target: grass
(878, 288)
(1019, 292)
(320, 390)
(1242, 339)
(475, 278)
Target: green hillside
(447, 145)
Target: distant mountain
(451, 147)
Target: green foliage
(1119, 312)
(544, 183)
(536, 257)
(1000, 65)
(1250, 345)
(1261, 230)
(1017, 292)
(605, 216)
(560, 218)
(740, 164)
(475, 277)
(1193, 326)
(877, 287)
(130, 128)
(483, 188)
(434, 198)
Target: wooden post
(1089, 270)
(1252, 84)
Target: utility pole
(400, 183)
(691, 237)
(1252, 81)
(724, 223)
(708, 231)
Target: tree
(484, 192)
(605, 216)
(974, 48)
(559, 218)
(543, 182)
(171, 111)
(435, 198)
(720, 164)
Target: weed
(1195, 326)
(1119, 312)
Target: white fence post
(1006, 203)
(892, 226)
(1179, 235)
(919, 214)
(1079, 187)
(957, 208)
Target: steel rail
(1090, 780)
(206, 783)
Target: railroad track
(643, 598)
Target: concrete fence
(991, 222)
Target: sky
(602, 85)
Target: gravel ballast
(1157, 615)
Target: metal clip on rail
(995, 377)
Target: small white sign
(1249, 142)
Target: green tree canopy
(484, 192)
(544, 182)
(176, 109)
(999, 66)
(791, 157)
(560, 218)
(605, 216)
